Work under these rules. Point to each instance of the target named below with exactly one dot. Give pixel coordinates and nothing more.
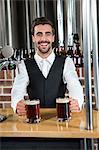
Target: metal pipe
(33, 7)
(4, 23)
(70, 18)
(38, 8)
(60, 22)
(27, 25)
(81, 24)
(74, 16)
(9, 23)
(42, 8)
(95, 50)
(87, 60)
(3, 38)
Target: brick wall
(80, 72)
(6, 82)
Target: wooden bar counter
(49, 127)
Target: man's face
(43, 38)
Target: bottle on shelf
(70, 51)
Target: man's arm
(73, 85)
(20, 86)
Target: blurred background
(16, 17)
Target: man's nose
(44, 37)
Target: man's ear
(33, 38)
(53, 38)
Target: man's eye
(48, 34)
(39, 34)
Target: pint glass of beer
(32, 111)
(63, 110)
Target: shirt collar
(49, 59)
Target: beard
(44, 46)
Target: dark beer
(33, 111)
(63, 110)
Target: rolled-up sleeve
(20, 84)
(73, 85)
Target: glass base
(63, 119)
(31, 120)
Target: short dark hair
(41, 20)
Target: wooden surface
(49, 127)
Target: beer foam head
(32, 102)
(62, 100)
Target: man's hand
(74, 106)
(20, 108)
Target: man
(46, 75)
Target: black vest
(46, 89)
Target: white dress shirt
(69, 76)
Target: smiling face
(43, 39)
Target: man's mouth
(43, 43)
